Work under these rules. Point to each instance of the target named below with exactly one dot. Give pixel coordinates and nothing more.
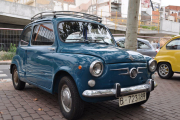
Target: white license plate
(130, 99)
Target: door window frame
(29, 38)
(43, 22)
(145, 44)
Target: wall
(171, 18)
(155, 17)
(170, 26)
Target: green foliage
(12, 48)
(8, 55)
(150, 27)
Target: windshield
(84, 32)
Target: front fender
(168, 59)
(69, 63)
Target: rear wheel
(165, 70)
(17, 83)
(140, 103)
(71, 105)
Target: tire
(140, 103)
(165, 71)
(17, 83)
(72, 107)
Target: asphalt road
(5, 73)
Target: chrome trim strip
(128, 72)
(121, 69)
(124, 91)
(138, 68)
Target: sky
(170, 2)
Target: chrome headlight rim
(150, 62)
(92, 71)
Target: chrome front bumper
(118, 91)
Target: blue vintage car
(74, 55)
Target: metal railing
(8, 37)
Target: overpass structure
(14, 15)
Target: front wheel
(71, 105)
(17, 83)
(165, 70)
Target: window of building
(43, 34)
(25, 37)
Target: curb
(5, 62)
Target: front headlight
(152, 65)
(96, 68)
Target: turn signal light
(79, 67)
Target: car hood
(110, 54)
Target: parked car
(74, 55)
(168, 58)
(144, 46)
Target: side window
(142, 45)
(173, 45)
(121, 44)
(25, 37)
(43, 34)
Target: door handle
(53, 49)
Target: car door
(173, 51)
(40, 55)
(143, 48)
(22, 51)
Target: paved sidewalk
(8, 62)
(33, 103)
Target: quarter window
(43, 35)
(25, 37)
(173, 45)
(142, 45)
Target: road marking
(3, 75)
(5, 80)
(1, 71)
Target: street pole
(132, 25)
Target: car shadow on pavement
(101, 110)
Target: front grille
(120, 73)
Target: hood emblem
(131, 58)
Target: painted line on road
(1, 71)
(3, 75)
(5, 80)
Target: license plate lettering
(130, 99)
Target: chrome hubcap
(15, 77)
(66, 98)
(163, 70)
